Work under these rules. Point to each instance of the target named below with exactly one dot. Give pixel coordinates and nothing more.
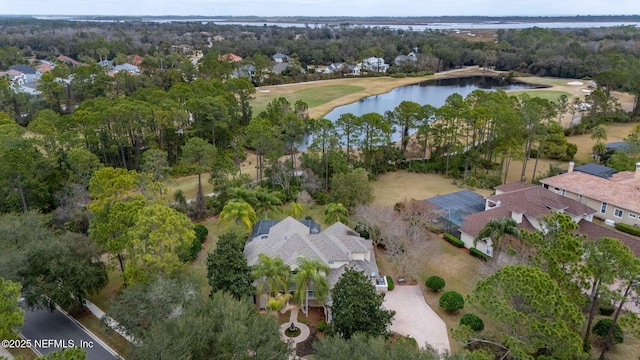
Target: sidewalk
(97, 312)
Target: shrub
(606, 310)
(629, 229)
(473, 321)
(435, 283)
(390, 284)
(201, 232)
(192, 251)
(601, 328)
(322, 326)
(479, 254)
(453, 240)
(451, 302)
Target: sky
(322, 7)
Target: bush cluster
(390, 284)
(322, 326)
(453, 240)
(606, 310)
(451, 302)
(201, 232)
(629, 229)
(435, 283)
(601, 328)
(473, 321)
(479, 254)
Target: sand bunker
(586, 91)
(575, 83)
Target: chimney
(571, 165)
(637, 175)
(517, 216)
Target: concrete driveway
(415, 318)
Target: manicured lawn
(312, 96)
(393, 187)
(551, 95)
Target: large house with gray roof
(338, 246)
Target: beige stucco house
(338, 246)
(616, 199)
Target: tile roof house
(615, 199)
(526, 204)
(338, 246)
(68, 60)
(230, 57)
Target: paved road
(52, 331)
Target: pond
(432, 92)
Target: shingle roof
(595, 231)
(598, 170)
(533, 202)
(620, 190)
(290, 239)
(23, 69)
(512, 186)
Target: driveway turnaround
(52, 331)
(415, 318)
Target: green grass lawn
(551, 95)
(313, 96)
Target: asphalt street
(53, 331)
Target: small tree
(435, 283)
(357, 307)
(227, 269)
(473, 321)
(451, 302)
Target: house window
(618, 213)
(632, 215)
(311, 294)
(603, 208)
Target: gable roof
(620, 190)
(230, 57)
(533, 202)
(280, 56)
(597, 170)
(68, 60)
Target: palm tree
(240, 212)
(599, 134)
(311, 274)
(296, 210)
(496, 230)
(244, 194)
(336, 212)
(272, 274)
(267, 201)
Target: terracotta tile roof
(230, 57)
(595, 231)
(621, 190)
(513, 186)
(69, 60)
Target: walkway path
(97, 312)
(304, 329)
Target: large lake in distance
(432, 92)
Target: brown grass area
(104, 333)
(615, 132)
(393, 187)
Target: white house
(374, 64)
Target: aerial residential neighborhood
(319, 187)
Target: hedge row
(479, 254)
(390, 284)
(629, 229)
(453, 240)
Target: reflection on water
(432, 92)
